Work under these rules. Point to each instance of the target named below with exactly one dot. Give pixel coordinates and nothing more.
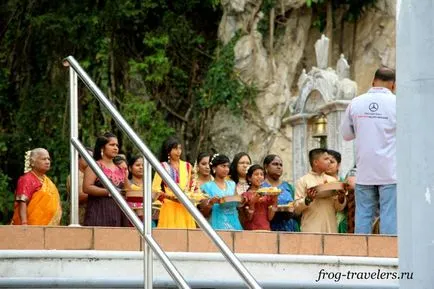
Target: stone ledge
(175, 240)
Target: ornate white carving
(347, 89)
(321, 91)
(322, 52)
(342, 68)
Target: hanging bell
(319, 127)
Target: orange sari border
(43, 208)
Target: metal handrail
(117, 196)
(203, 223)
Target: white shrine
(324, 94)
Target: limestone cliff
(274, 62)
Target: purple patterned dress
(103, 211)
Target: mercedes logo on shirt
(373, 106)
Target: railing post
(203, 223)
(73, 106)
(134, 219)
(147, 222)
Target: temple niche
(324, 94)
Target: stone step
(271, 270)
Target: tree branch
(171, 111)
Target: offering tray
(196, 197)
(270, 191)
(231, 199)
(193, 197)
(156, 205)
(286, 208)
(329, 189)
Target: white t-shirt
(370, 119)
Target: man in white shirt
(370, 120)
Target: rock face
(275, 69)
(376, 43)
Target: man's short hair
(315, 154)
(385, 74)
(336, 155)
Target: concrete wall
(173, 240)
(95, 255)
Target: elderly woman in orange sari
(37, 200)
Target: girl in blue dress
(221, 216)
(282, 221)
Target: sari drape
(43, 207)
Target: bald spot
(385, 74)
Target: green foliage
(357, 8)
(150, 57)
(264, 23)
(354, 9)
(309, 3)
(6, 199)
(215, 3)
(156, 66)
(148, 122)
(222, 86)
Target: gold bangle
(273, 208)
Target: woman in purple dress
(102, 210)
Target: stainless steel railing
(150, 160)
(117, 196)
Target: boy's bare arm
(338, 205)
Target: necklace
(203, 181)
(219, 185)
(41, 179)
(139, 184)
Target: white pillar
(415, 142)
(335, 112)
(300, 161)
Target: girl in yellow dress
(172, 213)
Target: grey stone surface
(265, 127)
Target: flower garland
(27, 164)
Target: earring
(168, 158)
(213, 171)
(102, 153)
